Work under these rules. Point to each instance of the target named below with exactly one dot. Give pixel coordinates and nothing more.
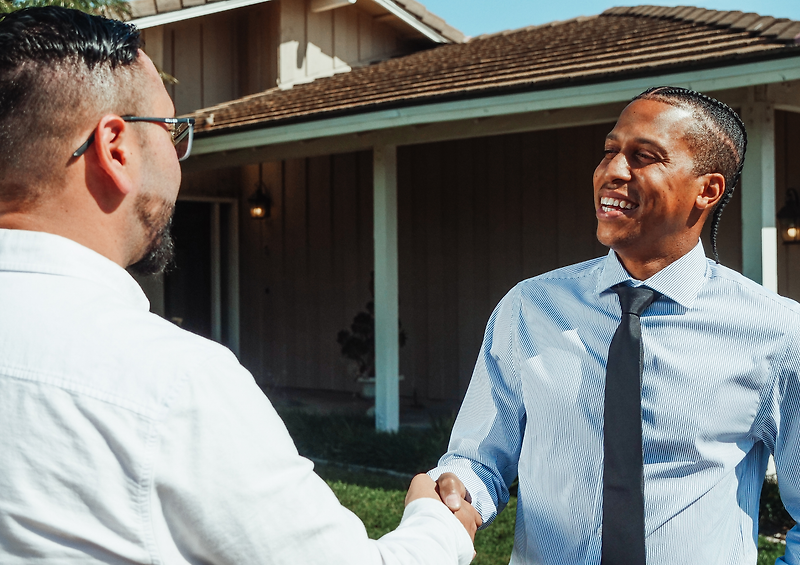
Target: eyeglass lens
(182, 140)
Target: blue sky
(475, 17)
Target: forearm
(231, 488)
(428, 533)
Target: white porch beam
(428, 133)
(387, 346)
(759, 234)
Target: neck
(642, 268)
(67, 218)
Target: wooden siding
(320, 44)
(217, 58)
(306, 269)
(787, 175)
(476, 217)
(232, 54)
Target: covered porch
(451, 201)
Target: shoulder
(552, 291)
(576, 279)
(734, 285)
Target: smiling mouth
(608, 204)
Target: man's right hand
(454, 494)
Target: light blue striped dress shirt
(720, 391)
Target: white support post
(233, 278)
(759, 235)
(216, 274)
(387, 346)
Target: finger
(451, 490)
(422, 486)
(469, 518)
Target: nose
(616, 169)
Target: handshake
(451, 491)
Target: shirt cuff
(476, 489)
(459, 543)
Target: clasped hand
(450, 490)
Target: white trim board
(193, 12)
(225, 5)
(721, 78)
(410, 20)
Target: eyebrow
(641, 141)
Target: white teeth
(607, 203)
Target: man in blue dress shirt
(721, 361)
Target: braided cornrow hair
(718, 139)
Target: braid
(719, 140)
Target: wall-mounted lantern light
(260, 202)
(789, 218)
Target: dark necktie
(623, 496)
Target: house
(229, 49)
(457, 171)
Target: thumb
(451, 490)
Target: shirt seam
(147, 486)
(773, 386)
(58, 380)
(517, 364)
(767, 295)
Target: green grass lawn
(377, 498)
(380, 507)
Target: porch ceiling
(618, 45)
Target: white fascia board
(409, 19)
(193, 12)
(767, 72)
(325, 5)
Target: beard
(155, 215)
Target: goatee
(161, 251)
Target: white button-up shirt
(128, 440)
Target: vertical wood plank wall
(306, 269)
(320, 44)
(476, 216)
(231, 54)
(787, 175)
(220, 57)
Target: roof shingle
(620, 42)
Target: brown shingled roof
(621, 42)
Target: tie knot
(635, 300)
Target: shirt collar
(680, 281)
(39, 252)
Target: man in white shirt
(126, 439)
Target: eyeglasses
(181, 130)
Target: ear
(712, 190)
(113, 143)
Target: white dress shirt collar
(679, 281)
(40, 252)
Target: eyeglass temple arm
(82, 149)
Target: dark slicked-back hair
(59, 69)
(717, 139)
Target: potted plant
(358, 344)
